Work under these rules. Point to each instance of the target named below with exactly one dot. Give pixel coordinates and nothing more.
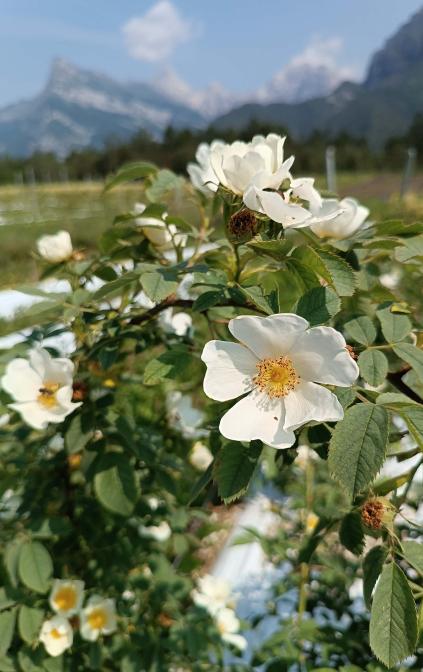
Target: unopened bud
(80, 391)
(242, 226)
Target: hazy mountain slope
(383, 106)
(79, 108)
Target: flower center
(65, 599)
(47, 396)
(55, 634)
(277, 377)
(97, 619)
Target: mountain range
(382, 106)
(79, 108)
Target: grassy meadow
(82, 208)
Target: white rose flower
(9, 505)
(66, 597)
(184, 415)
(55, 248)
(56, 635)
(351, 217)
(200, 456)
(160, 532)
(228, 626)
(178, 323)
(155, 229)
(280, 368)
(212, 593)
(42, 388)
(201, 173)
(98, 618)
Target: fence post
(330, 156)
(408, 171)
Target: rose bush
(221, 325)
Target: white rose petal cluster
(350, 218)
(161, 532)
(162, 236)
(214, 595)
(42, 388)
(280, 365)
(55, 248)
(258, 172)
(66, 598)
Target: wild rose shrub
(214, 340)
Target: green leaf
(358, 446)
(164, 182)
(7, 628)
(29, 623)
(77, 435)
(372, 567)
(362, 330)
(395, 327)
(158, 285)
(255, 296)
(115, 287)
(412, 355)
(35, 566)
(7, 664)
(201, 483)
(337, 272)
(234, 469)
(115, 484)
(373, 367)
(413, 553)
(386, 485)
(277, 249)
(175, 363)
(318, 305)
(129, 172)
(393, 623)
(351, 534)
(413, 416)
(208, 299)
(410, 248)
(11, 560)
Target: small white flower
(201, 173)
(161, 236)
(178, 323)
(98, 618)
(66, 597)
(160, 532)
(200, 456)
(228, 625)
(212, 593)
(55, 248)
(280, 367)
(184, 415)
(41, 387)
(153, 503)
(56, 635)
(351, 217)
(9, 505)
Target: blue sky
(240, 43)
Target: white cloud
(155, 35)
(313, 72)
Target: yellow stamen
(65, 598)
(55, 633)
(97, 619)
(47, 396)
(277, 377)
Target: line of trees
(178, 147)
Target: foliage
(110, 495)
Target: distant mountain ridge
(382, 107)
(79, 108)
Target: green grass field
(26, 212)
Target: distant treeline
(178, 148)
